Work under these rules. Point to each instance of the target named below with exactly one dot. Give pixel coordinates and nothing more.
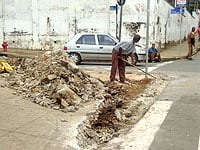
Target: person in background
(122, 50)
(191, 42)
(198, 31)
(154, 54)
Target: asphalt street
(173, 121)
(181, 128)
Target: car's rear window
(86, 39)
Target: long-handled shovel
(197, 50)
(136, 67)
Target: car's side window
(105, 40)
(86, 39)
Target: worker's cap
(136, 38)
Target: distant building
(46, 25)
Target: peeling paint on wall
(133, 27)
(140, 7)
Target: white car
(96, 47)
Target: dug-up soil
(55, 82)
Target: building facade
(47, 24)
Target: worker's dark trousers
(190, 50)
(117, 63)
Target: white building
(47, 24)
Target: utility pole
(181, 20)
(121, 3)
(116, 13)
(120, 23)
(3, 19)
(182, 5)
(147, 37)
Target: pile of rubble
(54, 82)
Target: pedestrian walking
(122, 50)
(191, 43)
(198, 31)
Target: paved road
(106, 67)
(173, 122)
(181, 127)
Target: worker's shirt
(127, 47)
(153, 50)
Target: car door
(106, 44)
(87, 47)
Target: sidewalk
(25, 125)
(174, 52)
(179, 51)
(21, 52)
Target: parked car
(96, 47)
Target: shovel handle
(136, 67)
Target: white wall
(171, 26)
(47, 24)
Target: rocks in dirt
(51, 76)
(67, 97)
(100, 127)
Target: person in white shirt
(122, 50)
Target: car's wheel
(136, 58)
(75, 57)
